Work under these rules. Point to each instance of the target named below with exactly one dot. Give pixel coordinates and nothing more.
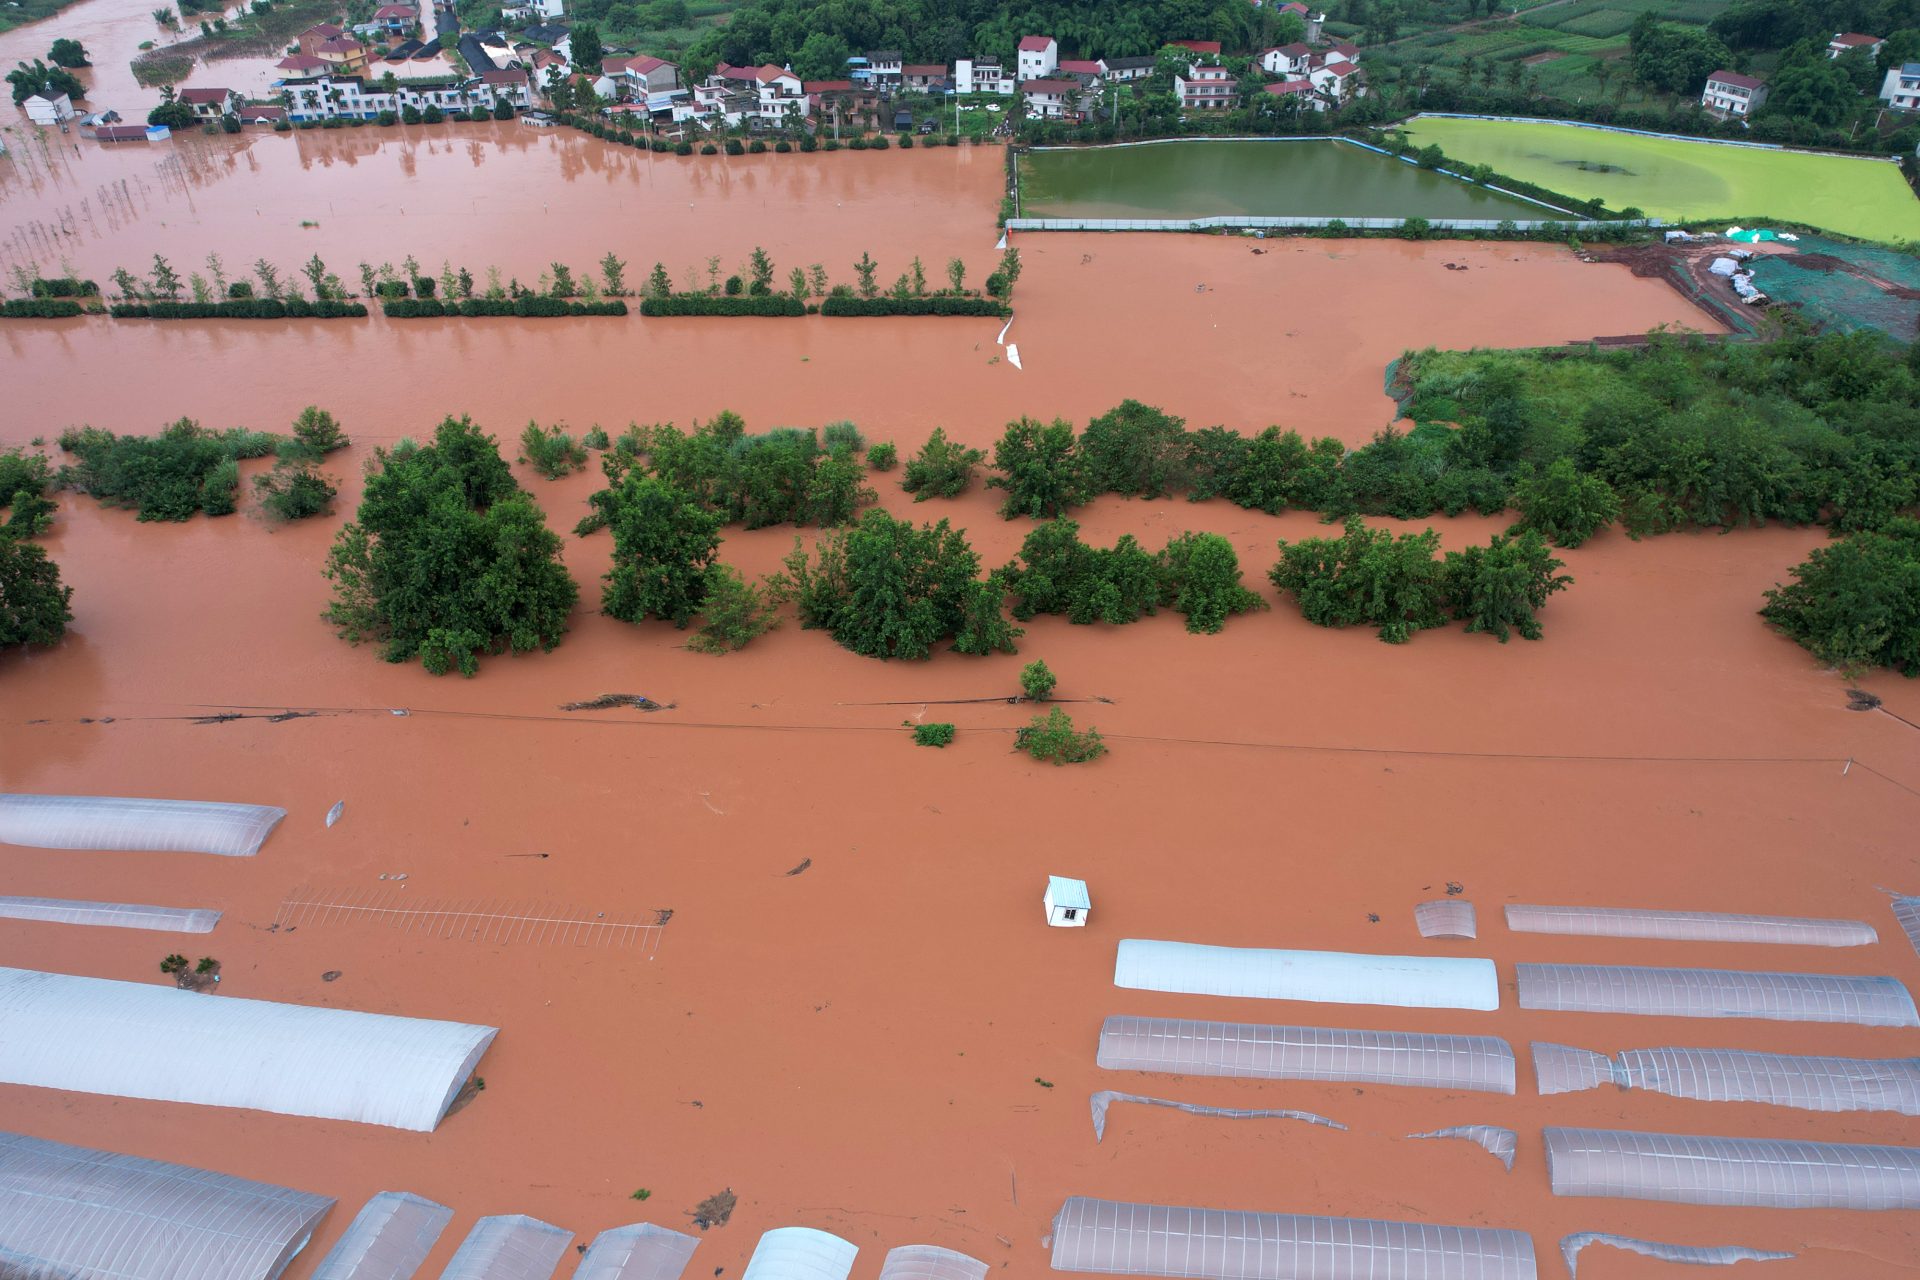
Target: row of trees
(758, 278)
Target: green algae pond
(1261, 177)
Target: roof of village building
(341, 44)
(1207, 72)
(1853, 40)
(547, 58)
(323, 30)
(727, 71)
(1079, 67)
(547, 32)
(1050, 86)
(1035, 44)
(209, 97)
(827, 86)
(1198, 46)
(886, 55)
(263, 111)
(1129, 64)
(121, 133)
(1291, 52)
(508, 76)
(1339, 68)
(639, 64)
(1351, 50)
(1735, 79)
(769, 73)
(301, 62)
(1284, 87)
(390, 11)
(924, 69)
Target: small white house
(45, 108)
(1067, 903)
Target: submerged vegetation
(448, 557)
(1855, 604)
(184, 470)
(33, 601)
(25, 480)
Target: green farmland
(1677, 178)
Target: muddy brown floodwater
(856, 1048)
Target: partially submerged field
(889, 1044)
(1678, 178)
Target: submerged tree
(664, 545)
(33, 602)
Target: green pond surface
(1311, 178)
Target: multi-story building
(1901, 89)
(1037, 57)
(1206, 88)
(1730, 94)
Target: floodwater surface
(889, 1044)
(1262, 177)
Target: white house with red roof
(1081, 67)
(1848, 41)
(1036, 57)
(782, 96)
(1298, 91)
(1286, 59)
(1206, 88)
(398, 19)
(1338, 82)
(212, 104)
(635, 79)
(316, 33)
(301, 64)
(1052, 99)
(1730, 94)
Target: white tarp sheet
(113, 915)
(800, 1253)
(1699, 1255)
(81, 1214)
(1497, 1142)
(388, 1239)
(1105, 1098)
(127, 825)
(1324, 977)
(135, 1040)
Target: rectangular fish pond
(1258, 177)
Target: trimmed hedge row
(937, 305)
(63, 287)
(534, 307)
(38, 308)
(240, 309)
(709, 304)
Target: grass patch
(1676, 178)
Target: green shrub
(882, 456)
(1057, 573)
(1855, 603)
(24, 479)
(942, 468)
(983, 628)
(733, 147)
(39, 309)
(757, 147)
(448, 558)
(939, 304)
(782, 147)
(842, 435)
(551, 451)
(736, 612)
(1037, 681)
(1135, 448)
(596, 439)
(932, 735)
(664, 543)
(1501, 587)
(295, 489)
(318, 432)
(706, 304)
(884, 588)
(33, 602)
(1201, 575)
(1053, 738)
(183, 470)
(1366, 576)
(1565, 504)
(1040, 467)
(708, 149)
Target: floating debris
(333, 814)
(715, 1209)
(608, 701)
(802, 867)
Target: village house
(782, 97)
(1730, 94)
(325, 96)
(397, 19)
(1082, 68)
(511, 85)
(132, 132)
(1848, 41)
(884, 67)
(723, 101)
(636, 79)
(212, 104)
(1122, 69)
(1037, 57)
(1204, 48)
(1338, 82)
(1299, 92)
(924, 77)
(310, 39)
(1286, 60)
(538, 10)
(49, 108)
(343, 55)
(1052, 99)
(982, 75)
(1206, 88)
(263, 113)
(301, 64)
(551, 34)
(1901, 89)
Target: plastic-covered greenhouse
(115, 915)
(1738, 1075)
(1446, 918)
(134, 1040)
(1766, 1173)
(81, 1214)
(387, 1240)
(1327, 977)
(1717, 993)
(800, 1253)
(1688, 926)
(930, 1262)
(509, 1247)
(1181, 1047)
(1116, 1238)
(639, 1252)
(153, 826)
